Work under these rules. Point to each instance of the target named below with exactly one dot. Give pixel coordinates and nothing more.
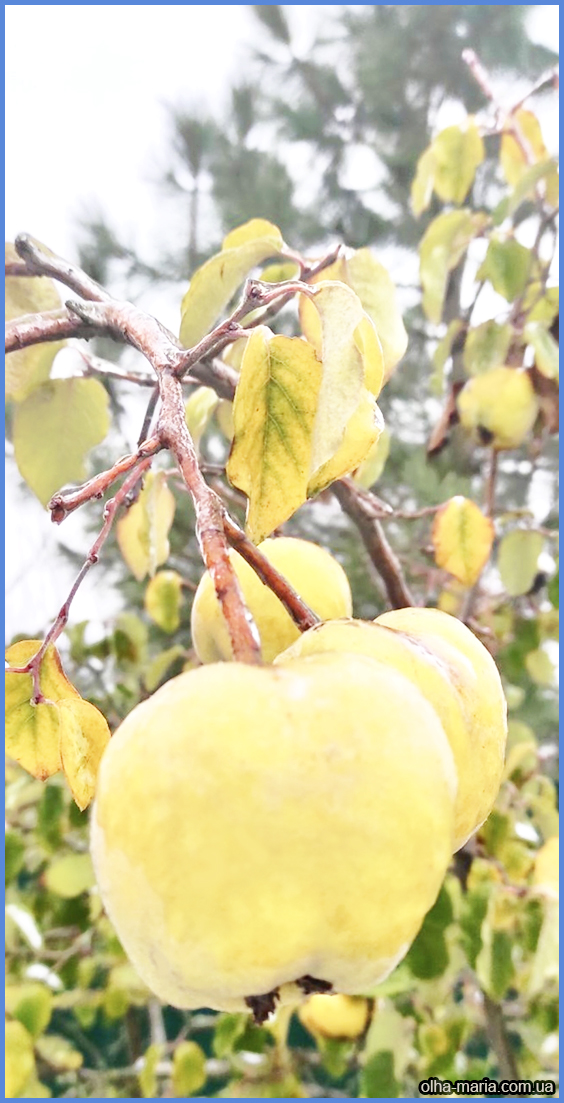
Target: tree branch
(353, 502)
(110, 509)
(39, 262)
(61, 505)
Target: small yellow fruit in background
(464, 689)
(335, 1016)
(500, 406)
(258, 825)
(316, 576)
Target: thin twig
(39, 262)
(151, 407)
(173, 433)
(301, 614)
(33, 665)
(61, 505)
(490, 485)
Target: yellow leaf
(361, 434)
(422, 186)
(442, 247)
(199, 411)
(20, 1062)
(84, 734)
(213, 285)
(376, 291)
(188, 1069)
(373, 465)
(273, 416)
(69, 876)
(147, 1077)
(162, 600)
(27, 368)
(458, 151)
(142, 534)
(32, 731)
(516, 160)
(342, 381)
(462, 539)
(54, 429)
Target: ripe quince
(335, 1016)
(313, 572)
(260, 833)
(499, 406)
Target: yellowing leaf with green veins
(441, 248)
(27, 368)
(31, 1003)
(199, 412)
(486, 347)
(507, 266)
(517, 560)
(368, 278)
(372, 467)
(20, 1061)
(33, 731)
(515, 156)
(273, 415)
(422, 186)
(142, 533)
(361, 433)
(344, 368)
(462, 539)
(69, 876)
(162, 600)
(55, 428)
(84, 735)
(213, 285)
(188, 1069)
(546, 349)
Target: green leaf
(462, 539)
(546, 349)
(159, 666)
(188, 1069)
(377, 1079)
(54, 429)
(540, 667)
(27, 368)
(162, 600)
(554, 590)
(213, 285)
(148, 1076)
(273, 414)
(422, 186)
(31, 1004)
(14, 852)
(457, 152)
(228, 1028)
(142, 534)
(20, 1062)
(486, 347)
(494, 964)
(428, 955)
(506, 265)
(199, 409)
(441, 248)
(70, 875)
(59, 1053)
(526, 186)
(517, 560)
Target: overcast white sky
(86, 94)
